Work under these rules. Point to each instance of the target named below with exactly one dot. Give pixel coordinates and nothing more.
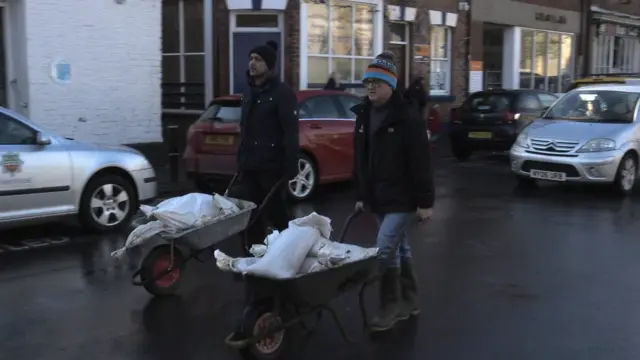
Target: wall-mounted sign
(61, 72)
(552, 18)
(476, 76)
(421, 53)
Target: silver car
(591, 134)
(45, 176)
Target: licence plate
(218, 140)
(480, 135)
(548, 175)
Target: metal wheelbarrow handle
(347, 224)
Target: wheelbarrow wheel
(157, 262)
(257, 319)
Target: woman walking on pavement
(392, 173)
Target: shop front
(615, 42)
(526, 46)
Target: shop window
(546, 60)
(183, 55)
(440, 76)
(339, 41)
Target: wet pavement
(504, 274)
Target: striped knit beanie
(383, 68)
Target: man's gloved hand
(359, 206)
(425, 214)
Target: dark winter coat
(269, 137)
(392, 171)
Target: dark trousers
(254, 186)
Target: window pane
(347, 103)
(398, 32)
(318, 29)
(553, 68)
(194, 68)
(566, 61)
(526, 56)
(364, 30)
(171, 69)
(322, 107)
(540, 61)
(317, 70)
(193, 26)
(13, 132)
(438, 42)
(257, 20)
(194, 79)
(439, 76)
(341, 28)
(342, 67)
(360, 67)
(170, 27)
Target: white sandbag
(225, 205)
(185, 211)
(258, 250)
(285, 257)
(311, 265)
(318, 246)
(139, 235)
(315, 220)
(335, 254)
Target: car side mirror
(42, 140)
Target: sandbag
(184, 211)
(285, 256)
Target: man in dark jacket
(392, 172)
(269, 147)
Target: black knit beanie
(268, 52)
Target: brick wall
(115, 56)
(292, 44)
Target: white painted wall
(115, 56)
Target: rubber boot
(408, 291)
(389, 301)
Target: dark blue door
(242, 44)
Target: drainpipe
(209, 58)
(585, 34)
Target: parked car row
(326, 141)
(589, 135)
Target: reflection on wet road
(504, 275)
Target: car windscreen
(603, 106)
(227, 111)
(483, 102)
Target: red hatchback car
(326, 141)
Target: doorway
(493, 46)
(249, 30)
(399, 45)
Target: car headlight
(598, 145)
(522, 141)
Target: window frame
(606, 59)
(182, 54)
(377, 46)
(446, 61)
(572, 71)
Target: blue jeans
(393, 240)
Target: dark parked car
(490, 120)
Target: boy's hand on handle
(359, 206)
(425, 214)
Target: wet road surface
(504, 274)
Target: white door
(35, 180)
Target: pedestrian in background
(392, 174)
(269, 146)
(333, 83)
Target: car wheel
(302, 187)
(626, 174)
(460, 153)
(107, 204)
(526, 182)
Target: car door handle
(315, 126)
